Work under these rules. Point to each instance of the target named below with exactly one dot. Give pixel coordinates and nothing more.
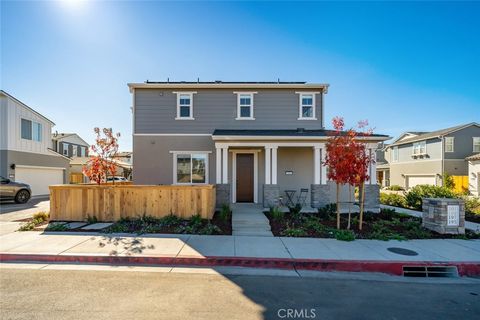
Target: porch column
(267, 165)
(274, 165)
(218, 165)
(225, 165)
(323, 166)
(373, 166)
(316, 164)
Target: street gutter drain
(430, 271)
(402, 251)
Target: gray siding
(405, 151)
(155, 111)
(71, 146)
(463, 143)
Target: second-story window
(74, 151)
(31, 130)
(65, 149)
(419, 148)
(395, 154)
(82, 151)
(476, 144)
(245, 106)
(449, 144)
(185, 106)
(306, 108)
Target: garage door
(416, 180)
(39, 178)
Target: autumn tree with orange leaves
(101, 165)
(348, 160)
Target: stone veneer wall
(271, 192)
(435, 215)
(223, 194)
(320, 195)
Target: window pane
(184, 112)
(245, 112)
(199, 162)
(245, 101)
(307, 112)
(307, 100)
(36, 131)
(26, 129)
(183, 168)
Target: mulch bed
(382, 226)
(472, 217)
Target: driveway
(10, 212)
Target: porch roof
(300, 133)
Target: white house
(474, 174)
(25, 147)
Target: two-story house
(423, 157)
(25, 147)
(254, 140)
(70, 145)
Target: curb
(465, 268)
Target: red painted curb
(465, 268)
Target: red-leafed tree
(347, 160)
(101, 165)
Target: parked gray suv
(11, 190)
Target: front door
(245, 177)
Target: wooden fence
(112, 202)
(461, 183)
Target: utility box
(444, 215)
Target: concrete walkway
(248, 220)
(468, 225)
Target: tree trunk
(349, 205)
(338, 206)
(362, 201)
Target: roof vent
(218, 81)
(300, 129)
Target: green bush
(294, 232)
(344, 235)
(277, 213)
(328, 211)
(448, 181)
(41, 216)
(414, 196)
(392, 199)
(395, 187)
(225, 212)
(472, 205)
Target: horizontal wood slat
(112, 202)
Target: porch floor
(248, 220)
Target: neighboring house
(76, 169)
(383, 176)
(69, 144)
(254, 140)
(125, 156)
(474, 174)
(25, 144)
(423, 157)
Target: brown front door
(244, 177)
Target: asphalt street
(74, 294)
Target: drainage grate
(430, 271)
(403, 251)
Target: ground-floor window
(191, 168)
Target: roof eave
(272, 138)
(309, 86)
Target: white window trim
(31, 128)
(417, 143)
(393, 154)
(65, 149)
(473, 144)
(239, 117)
(176, 153)
(190, 93)
(453, 144)
(300, 114)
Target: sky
(403, 66)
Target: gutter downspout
(443, 159)
(321, 107)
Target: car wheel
(22, 196)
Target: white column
(373, 166)
(323, 167)
(218, 165)
(274, 165)
(316, 164)
(369, 168)
(267, 165)
(225, 165)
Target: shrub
(313, 224)
(170, 221)
(225, 212)
(92, 219)
(472, 205)
(210, 229)
(392, 199)
(57, 227)
(277, 213)
(414, 196)
(294, 232)
(328, 211)
(344, 235)
(448, 181)
(43, 216)
(395, 187)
